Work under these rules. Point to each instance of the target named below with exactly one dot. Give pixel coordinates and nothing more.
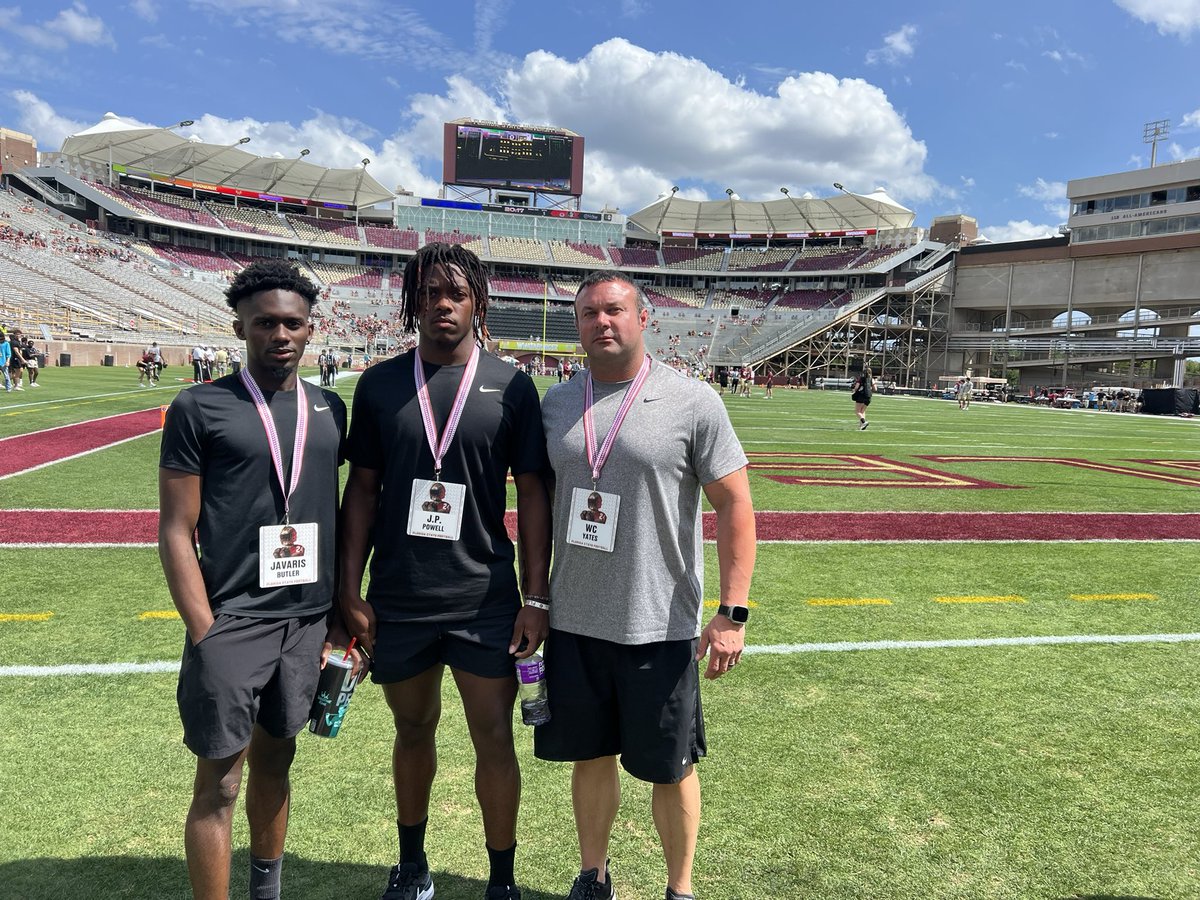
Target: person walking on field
(964, 392)
(864, 387)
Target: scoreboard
(510, 156)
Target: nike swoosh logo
(259, 868)
(650, 399)
(320, 408)
(484, 390)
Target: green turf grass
(1022, 772)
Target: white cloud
(631, 9)
(897, 47)
(1046, 191)
(72, 25)
(1177, 151)
(967, 181)
(1192, 119)
(651, 120)
(145, 9)
(1022, 230)
(672, 118)
(1178, 17)
(37, 117)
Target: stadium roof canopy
(160, 153)
(839, 213)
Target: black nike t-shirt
(427, 579)
(214, 431)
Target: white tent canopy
(841, 212)
(143, 149)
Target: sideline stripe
(93, 545)
(17, 407)
(1114, 596)
(63, 459)
(849, 601)
(165, 666)
(980, 598)
(26, 617)
(159, 614)
(846, 646)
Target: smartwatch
(738, 614)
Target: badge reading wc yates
(287, 554)
(593, 519)
(435, 510)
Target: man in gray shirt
(633, 444)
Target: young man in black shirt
(243, 459)
(436, 432)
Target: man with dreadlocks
(435, 433)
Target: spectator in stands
(447, 597)
(860, 393)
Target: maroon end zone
(134, 527)
(24, 452)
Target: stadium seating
(584, 254)
(813, 259)
(674, 296)
(807, 299)
(638, 257)
(251, 220)
(774, 259)
(449, 237)
(521, 321)
(348, 276)
(518, 248)
(196, 258)
(175, 208)
(693, 258)
(516, 284)
(392, 238)
(747, 299)
(325, 231)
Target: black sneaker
(502, 892)
(407, 882)
(671, 895)
(587, 887)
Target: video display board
(510, 157)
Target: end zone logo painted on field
(857, 470)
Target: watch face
(738, 614)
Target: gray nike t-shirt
(676, 439)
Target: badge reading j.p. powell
(435, 510)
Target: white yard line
(168, 666)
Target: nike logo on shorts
(650, 399)
(320, 408)
(484, 390)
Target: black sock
(264, 878)
(412, 843)
(501, 862)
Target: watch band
(735, 613)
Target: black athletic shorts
(478, 646)
(640, 702)
(246, 671)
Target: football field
(971, 672)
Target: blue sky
(986, 109)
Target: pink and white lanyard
(436, 447)
(264, 413)
(597, 459)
